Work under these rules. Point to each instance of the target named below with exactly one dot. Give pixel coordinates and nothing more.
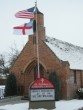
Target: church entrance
(31, 74)
(41, 71)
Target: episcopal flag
(25, 29)
(28, 13)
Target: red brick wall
(72, 86)
(47, 58)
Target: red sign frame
(42, 83)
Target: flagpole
(37, 42)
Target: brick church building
(55, 61)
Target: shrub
(56, 82)
(11, 86)
(80, 93)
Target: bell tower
(39, 25)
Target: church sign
(42, 90)
(42, 94)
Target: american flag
(28, 13)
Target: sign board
(42, 90)
(42, 94)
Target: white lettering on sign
(42, 94)
(42, 83)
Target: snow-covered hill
(67, 52)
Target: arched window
(75, 79)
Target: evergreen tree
(56, 82)
(11, 86)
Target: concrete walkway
(11, 100)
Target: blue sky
(63, 20)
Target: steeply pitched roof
(67, 52)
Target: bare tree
(4, 69)
(7, 61)
(2, 63)
(13, 55)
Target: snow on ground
(60, 105)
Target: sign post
(42, 94)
